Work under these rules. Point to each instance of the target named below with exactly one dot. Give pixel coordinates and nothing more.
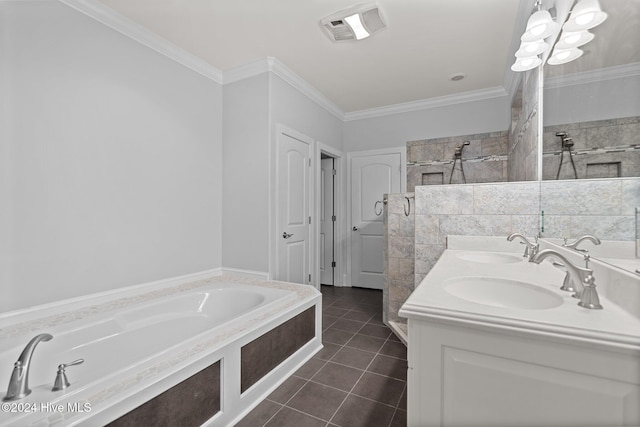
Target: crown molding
(441, 101)
(271, 64)
(245, 71)
(120, 23)
(594, 76)
(286, 74)
(107, 16)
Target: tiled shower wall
(399, 254)
(523, 134)
(602, 149)
(431, 161)
(510, 155)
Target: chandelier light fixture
(585, 15)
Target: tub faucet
(19, 382)
(582, 278)
(530, 249)
(574, 245)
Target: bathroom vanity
(494, 341)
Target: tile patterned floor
(358, 379)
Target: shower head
(567, 141)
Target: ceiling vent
(355, 23)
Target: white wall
(112, 158)
(252, 109)
(606, 99)
(299, 112)
(245, 198)
(395, 130)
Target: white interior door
(293, 217)
(372, 176)
(327, 221)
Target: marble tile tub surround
(399, 257)
(105, 394)
(429, 161)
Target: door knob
(286, 235)
(355, 228)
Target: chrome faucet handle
(61, 381)
(574, 245)
(589, 298)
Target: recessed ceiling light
(457, 77)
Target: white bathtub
(130, 342)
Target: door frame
(273, 200)
(340, 225)
(403, 188)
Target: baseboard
(400, 330)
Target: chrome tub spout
(19, 382)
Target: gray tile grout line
(356, 383)
(377, 353)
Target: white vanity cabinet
(510, 349)
(465, 374)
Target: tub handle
(61, 381)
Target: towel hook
(375, 208)
(407, 212)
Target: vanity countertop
(433, 300)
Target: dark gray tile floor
(358, 379)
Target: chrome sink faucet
(582, 278)
(530, 249)
(574, 245)
(19, 382)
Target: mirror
(592, 105)
(591, 122)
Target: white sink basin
(500, 292)
(491, 258)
